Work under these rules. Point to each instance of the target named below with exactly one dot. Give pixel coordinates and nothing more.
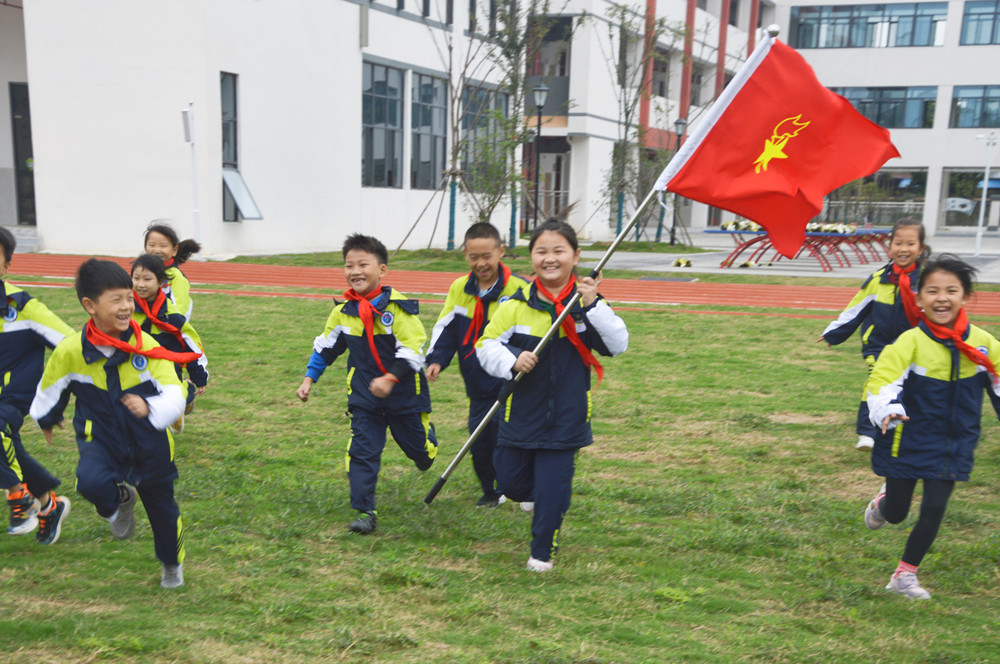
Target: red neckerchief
(161, 299)
(479, 315)
(971, 352)
(569, 327)
(906, 294)
(168, 263)
(367, 311)
(99, 338)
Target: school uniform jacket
(453, 325)
(399, 340)
(941, 391)
(197, 369)
(877, 309)
(77, 367)
(27, 327)
(178, 291)
(550, 406)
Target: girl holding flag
(884, 308)
(925, 397)
(157, 316)
(547, 417)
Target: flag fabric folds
(774, 144)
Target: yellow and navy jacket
(178, 291)
(197, 369)
(399, 340)
(453, 325)
(877, 309)
(27, 328)
(941, 391)
(77, 367)
(550, 406)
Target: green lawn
(717, 518)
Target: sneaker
(365, 523)
(23, 512)
(906, 583)
(873, 517)
(189, 408)
(123, 520)
(491, 501)
(528, 506)
(172, 576)
(535, 565)
(178, 425)
(865, 443)
(50, 522)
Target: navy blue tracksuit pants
(483, 447)
(414, 434)
(39, 480)
(544, 476)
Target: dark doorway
(20, 117)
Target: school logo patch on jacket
(11, 314)
(139, 362)
(387, 319)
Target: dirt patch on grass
(804, 418)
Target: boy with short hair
(380, 330)
(471, 302)
(127, 394)
(27, 327)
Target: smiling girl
(161, 240)
(547, 418)
(925, 396)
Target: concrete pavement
(960, 242)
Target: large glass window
(428, 124)
(869, 26)
(981, 23)
(237, 201)
(975, 106)
(894, 107)
(382, 126)
(483, 112)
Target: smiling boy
(380, 330)
(471, 302)
(127, 394)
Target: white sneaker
(172, 576)
(865, 443)
(873, 517)
(123, 520)
(529, 507)
(535, 565)
(906, 583)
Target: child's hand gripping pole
(508, 388)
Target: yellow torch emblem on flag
(784, 130)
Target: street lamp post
(991, 141)
(540, 92)
(680, 124)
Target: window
(975, 106)
(734, 12)
(483, 112)
(382, 126)
(236, 199)
(428, 116)
(661, 73)
(869, 26)
(894, 107)
(981, 23)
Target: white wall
(13, 69)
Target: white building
(928, 71)
(292, 100)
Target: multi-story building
(307, 120)
(928, 71)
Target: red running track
(831, 298)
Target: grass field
(717, 518)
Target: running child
(156, 315)
(925, 396)
(127, 394)
(27, 327)
(472, 300)
(161, 240)
(884, 308)
(380, 330)
(547, 418)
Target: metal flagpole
(508, 388)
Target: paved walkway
(675, 287)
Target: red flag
(774, 144)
